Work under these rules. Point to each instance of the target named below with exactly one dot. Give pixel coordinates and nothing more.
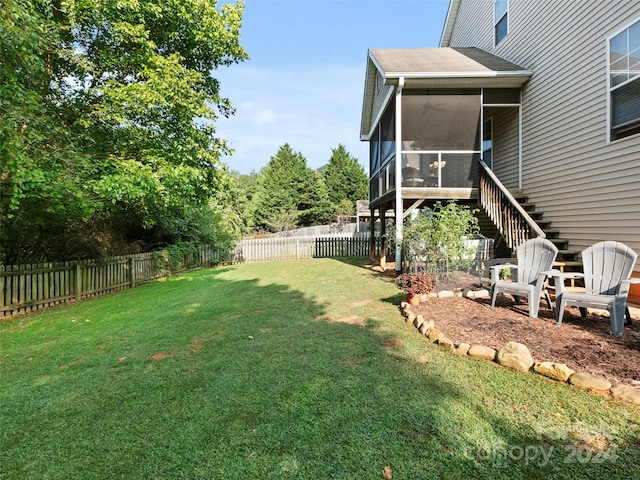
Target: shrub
(416, 283)
(438, 237)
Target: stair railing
(511, 220)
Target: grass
(300, 369)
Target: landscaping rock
(445, 294)
(483, 293)
(419, 320)
(434, 335)
(480, 351)
(516, 356)
(426, 325)
(626, 392)
(446, 342)
(468, 293)
(590, 381)
(556, 371)
(462, 349)
(410, 317)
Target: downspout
(398, 173)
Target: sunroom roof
(435, 68)
(433, 63)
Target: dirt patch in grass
(161, 356)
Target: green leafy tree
(243, 192)
(345, 179)
(107, 126)
(289, 193)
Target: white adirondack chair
(535, 258)
(607, 270)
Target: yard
(293, 369)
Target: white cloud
(264, 117)
(311, 108)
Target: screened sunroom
(430, 116)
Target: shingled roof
(425, 62)
(437, 68)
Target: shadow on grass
(257, 380)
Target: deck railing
(511, 220)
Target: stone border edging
(517, 356)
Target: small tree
(438, 238)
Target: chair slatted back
(534, 256)
(605, 265)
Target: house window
(624, 82)
(500, 19)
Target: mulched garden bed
(585, 345)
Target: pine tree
(289, 193)
(345, 179)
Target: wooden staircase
(567, 260)
(516, 220)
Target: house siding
(505, 147)
(588, 188)
(379, 100)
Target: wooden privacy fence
(24, 288)
(283, 248)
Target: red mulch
(585, 345)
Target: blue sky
(304, 82)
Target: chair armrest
(559, 278)
(564, 275)
(625, 286)
(552, 273)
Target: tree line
(287, 194)
(108, 142)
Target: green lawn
(299, 369)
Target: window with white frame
(500, 19)
(624, 82)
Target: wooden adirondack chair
(535, 258)
(607, 270)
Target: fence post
(78, 281)
(132, 274)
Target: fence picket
(25, 288)
(282, 248)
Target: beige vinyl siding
(379, 100)
(505, 145)
(474, 25)
(589, 189)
